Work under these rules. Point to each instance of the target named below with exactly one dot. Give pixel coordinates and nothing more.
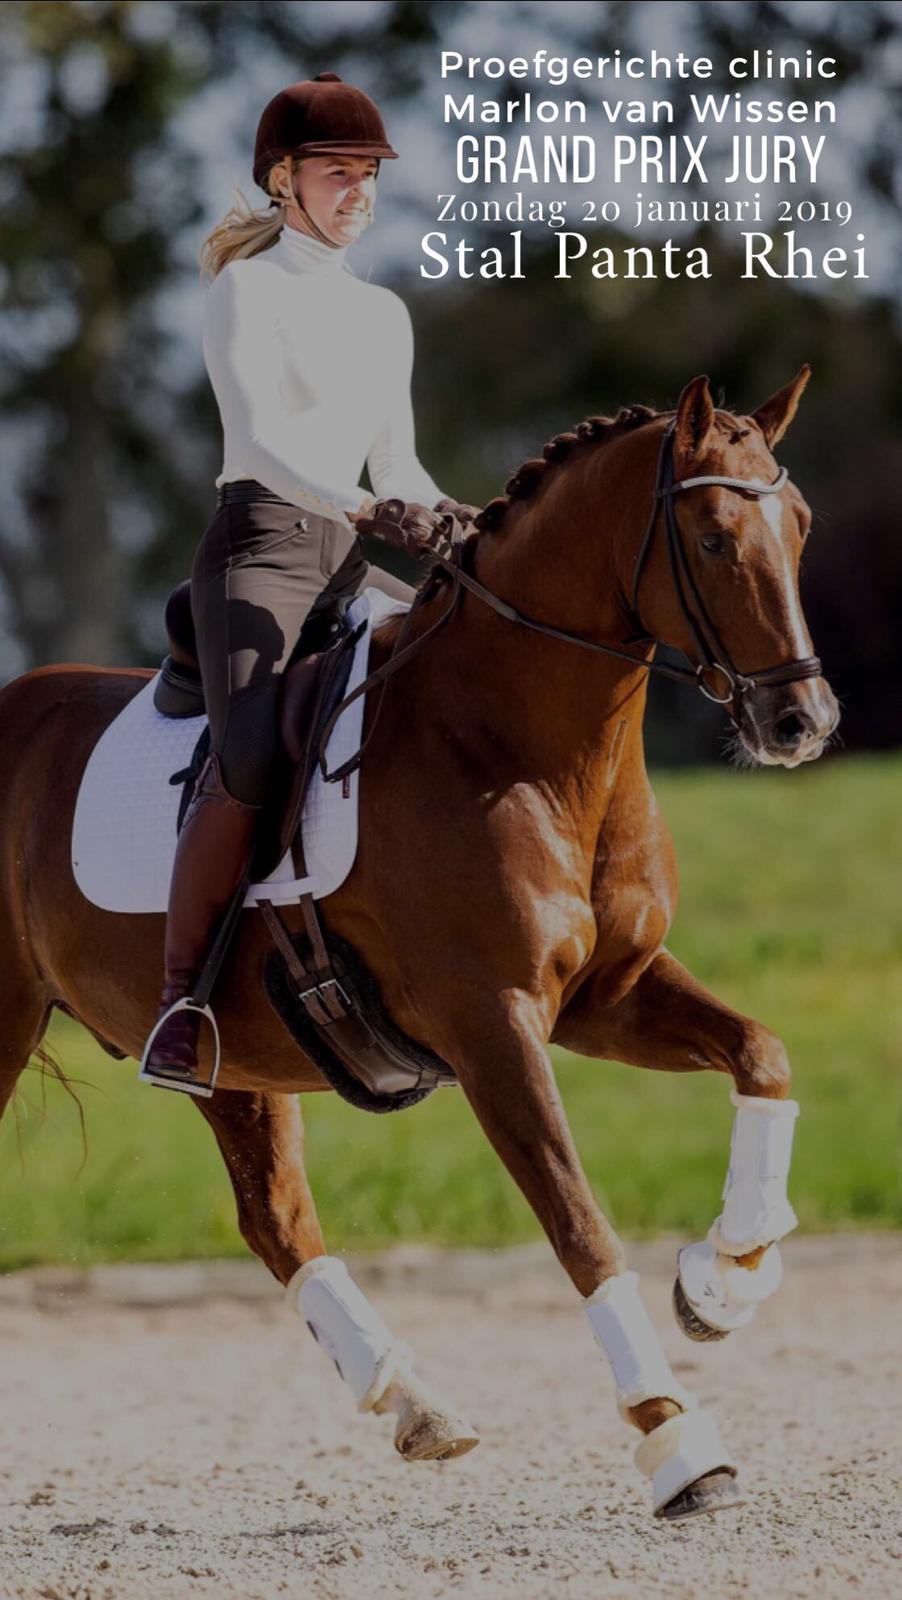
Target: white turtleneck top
(311, 369)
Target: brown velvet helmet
(319, 116)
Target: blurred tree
(87, 239)
(111, 445)
(107, 467)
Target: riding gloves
(459, 510)
(414, 529)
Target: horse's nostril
(792, 728)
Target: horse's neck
(567, 717)
(554, 556)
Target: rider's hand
(462, 513)
(409, 527)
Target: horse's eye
(714, 543)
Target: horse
(513, 888)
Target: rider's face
(338, 193)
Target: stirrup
(165, 1080)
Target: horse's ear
(694, 418)
(774, 417)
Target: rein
(711, 647)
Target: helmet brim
(382, 152)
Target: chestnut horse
(513, 886)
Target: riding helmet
(319, 116)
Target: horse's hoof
(715, 1491)
(690, 1321)
(427, 1430)
(434, 1436)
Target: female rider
(311, 369)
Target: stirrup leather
(175, 1080)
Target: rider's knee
(247, 749)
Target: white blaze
(772, 511)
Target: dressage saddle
(316, 983)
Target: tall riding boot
(213, 854)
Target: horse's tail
(43, 1058)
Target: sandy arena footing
(174, 1432)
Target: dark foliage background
(116, 121)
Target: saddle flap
(311, 689)
(298, 702)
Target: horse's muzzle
(789, 725)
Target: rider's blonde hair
(245, 232)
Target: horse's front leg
(670, 1022)
(500, 1055)
(260, 1137)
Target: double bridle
(715, 657)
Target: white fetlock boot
(376, 1366)
(713, 1292)
(690, 1468)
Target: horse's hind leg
(260, 1137)
(669, 1021)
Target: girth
(336, 1016)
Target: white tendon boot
(376, 1366)
(713, 1294)
(686, 1447)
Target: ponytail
(244, 232)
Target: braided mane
(532, 474)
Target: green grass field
(790, 910)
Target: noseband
(715, 657)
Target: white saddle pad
(124, 833)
